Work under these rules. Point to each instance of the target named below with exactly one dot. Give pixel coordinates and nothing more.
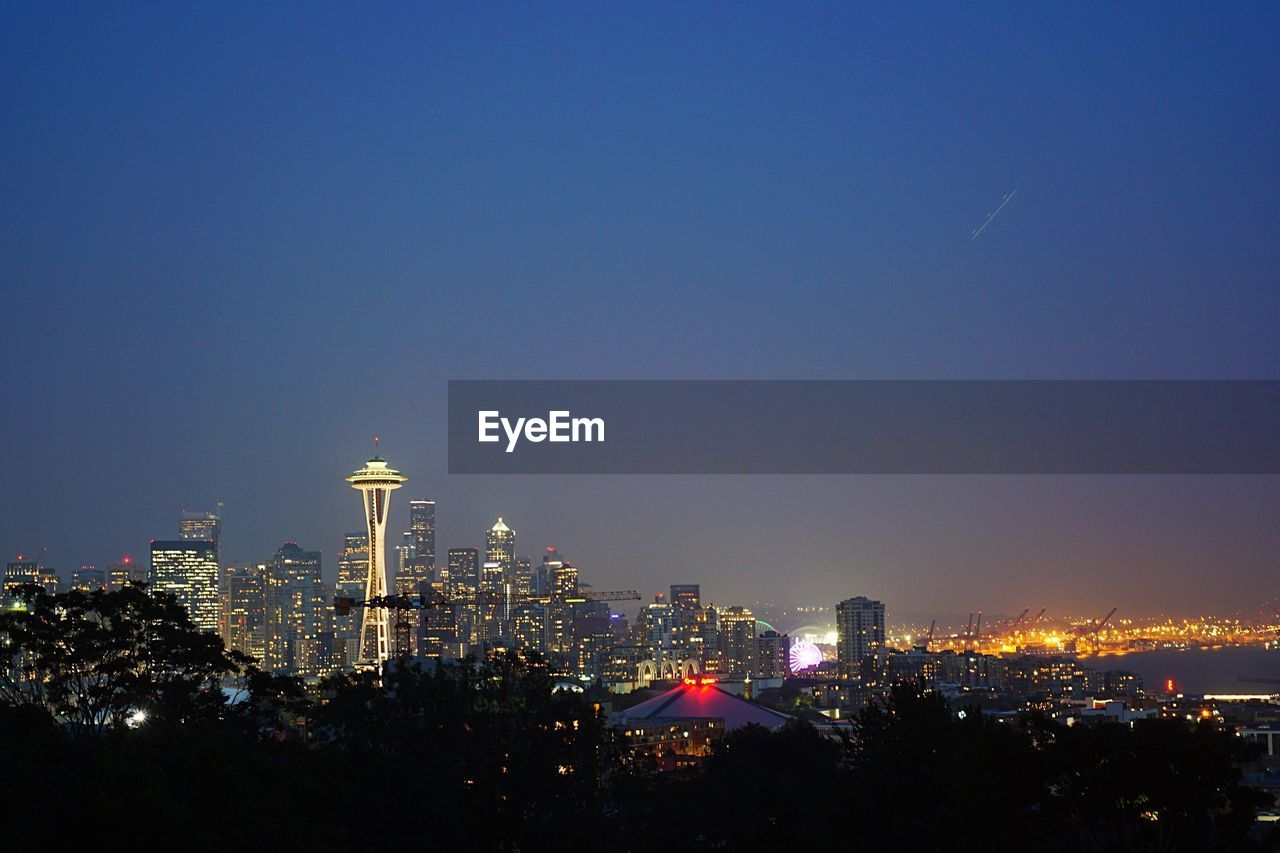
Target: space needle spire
(375, 482)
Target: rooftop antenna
(377, 440)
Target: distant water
(1199, 670)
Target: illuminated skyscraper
(859, 632)
(500, 546)
(50, 581)
(20, 573)
(529, 628)
(522, 581)
(422, 527)
(188, 569)
(560, 610)
(404, 553)
(202, 526)
(657, 631)
(353, 564)
(463, 587)
(87, 579)
(686, 595)
(245, 623)
(738, 639)
(464, 572)
(125, 572)
(375, 482)
(542, 576)
(353, 560)
(298, 611)
(493, 602)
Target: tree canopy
(482, 755)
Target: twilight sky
(236, 242)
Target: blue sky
(237, 242)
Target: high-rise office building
(494, 602)
(738, 639)
(418, 565)
(188, 569)
(564, 581)
(87, 579)
(405, 581)
(202, 526)
(542, 574)
(353, 559)
(564, 592)
(705, 640)
(21, 572)
(353, 564)
(460, 583)
(500, 546)
(529, 628)
(298, 612)
(464, 572)
(375, 482)
(686, 595)
(245, 610)
(522, 582)
(125, 572)
(422, 527)
(657, 631)
(859, 632)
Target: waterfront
(1200, 670)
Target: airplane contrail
(992, 215)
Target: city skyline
(902, 609)
(606, 195)
(812, 426)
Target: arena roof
(702, 698)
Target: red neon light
(702, 681)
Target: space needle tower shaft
(375, 482)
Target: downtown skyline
(204, 208)
(608, 564)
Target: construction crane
(403, 604)
(1034, 619)
(929, 639)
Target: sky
(237, 241)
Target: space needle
(375, 481)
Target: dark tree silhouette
(488, 755)
(94, 659)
